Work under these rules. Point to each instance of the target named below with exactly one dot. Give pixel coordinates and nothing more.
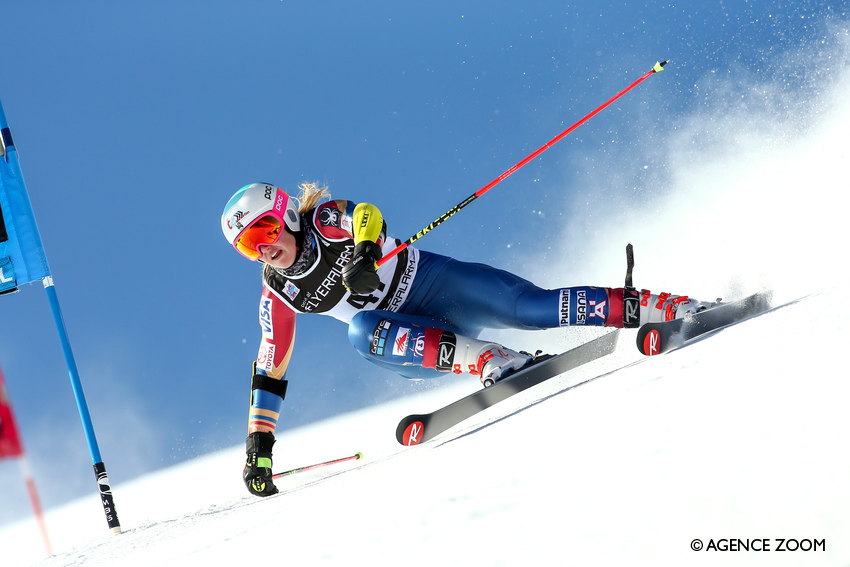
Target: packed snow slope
(739, 436)
(727, 171)
(626, 461)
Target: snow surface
(741, 435)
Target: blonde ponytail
(310, 195)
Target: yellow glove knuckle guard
(367, 223)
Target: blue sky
(136, 122)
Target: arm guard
(268, 384)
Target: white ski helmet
(254, 202)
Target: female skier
(418, 314)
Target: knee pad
(387, 341)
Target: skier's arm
(268, 389)
(268, 386)
(368, 230)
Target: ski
(656, 338)
(417, 428)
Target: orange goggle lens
(265, 230)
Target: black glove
(257, 473)
(360, 275)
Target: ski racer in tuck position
(418, 314)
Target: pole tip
(659, 66)
(359, 455)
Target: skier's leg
(418, 347)
(481, 296)
(477, 296)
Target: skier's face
(279, 254)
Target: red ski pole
(354, 457)
(655, 69)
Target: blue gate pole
(99, 467)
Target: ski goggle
(264, 230)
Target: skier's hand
(257, 473)
(360, 274)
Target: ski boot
(498, 362)
(667, 307)
(640, 307)
(445, 351)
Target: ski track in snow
(622, 462)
